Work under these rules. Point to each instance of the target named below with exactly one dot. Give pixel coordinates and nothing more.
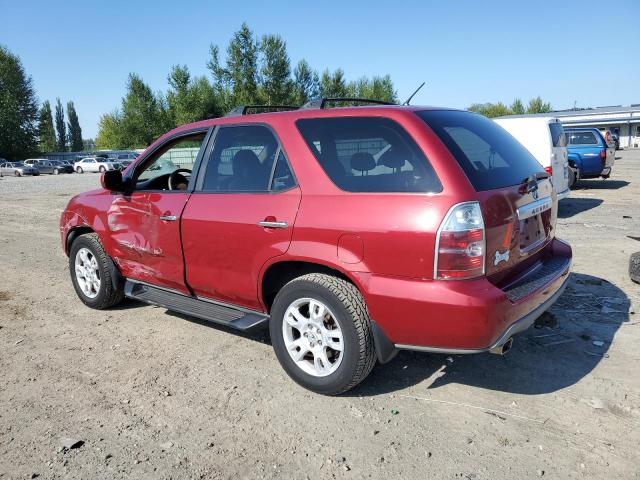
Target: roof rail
(322, 102)
(248, 109)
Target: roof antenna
(406, 102)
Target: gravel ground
(137, 392)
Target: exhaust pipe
(502, 349)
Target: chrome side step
(208, 310)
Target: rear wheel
(91, 275)
(17, 173)
(79, 170)
(321, 333)
(55, 171)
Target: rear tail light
(460, 244)
(603, 155)
(549, 170)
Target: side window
(282, 175)
(583, 138)
(558, 136)
(175, 156)
(242, 160)
(368, 154)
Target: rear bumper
(468, 316)
(564, 194)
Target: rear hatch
(517, 199)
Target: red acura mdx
(352, 232)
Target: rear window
(582, 138)
(558, 137)
(490, 157)
(369, 154)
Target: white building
(625, 121)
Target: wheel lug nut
(313, 344)
(318, 330)
(306, 334)
(319, 342)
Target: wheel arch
(74, 233)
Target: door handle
(267, 224)
(168, 218)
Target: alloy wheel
(87, 272)
(313, 337)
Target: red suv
(352, 232)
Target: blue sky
(466, 51)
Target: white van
(544, 137)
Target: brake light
(603, 155)
(460, 244)
(549, 170)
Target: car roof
(373, 110)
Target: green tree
(378, 88)
(46, 132)
(61, 128)
(110, 132)
(18, 109)
(189, 99)
(242, 66)
(75, 132)
(517, 107)
(333, 84)
(144, 115)
(536, 105)
(306, 84)
(277, 87)
(491, 110)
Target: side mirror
(112, 180)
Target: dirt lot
(156, 395)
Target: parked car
(17, 169)
(351, 232)
(589, 154)
(544, 137)
(52, 167)
(95, 164)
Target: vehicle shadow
(540, 361)
(601, 184)
(572, 206)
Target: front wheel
(321, 333)
(91, 275)
(55, 171)
(79, 170)
(573, 177)
(17, 173)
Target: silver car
(17, 169)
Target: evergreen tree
(242, 66)
(277, 88)
(333, 84)
(46, 132)
(144, 115)
(189, 100)
(306, 83)
(536, 105)
(517, 107)
(60, 127)
(18, 109)
(75, 132)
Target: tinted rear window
(369, 154)
(558, 137)
(490, 157)
(582, 138)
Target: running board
(239, 319)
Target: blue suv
(589, 154)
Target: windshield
(489, 156)
(17, 164)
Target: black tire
(79, 170)
(55, 171)
(108, 295)
(347, 304)
(17, 173)
(634, 267)
(573, 177)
